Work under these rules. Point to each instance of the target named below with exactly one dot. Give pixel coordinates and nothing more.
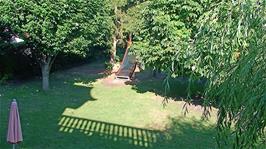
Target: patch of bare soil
(111, 81)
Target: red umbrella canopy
(14, 133)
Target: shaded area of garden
(98, 134)
(44, 125)
(180, 88)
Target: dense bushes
(16, 65)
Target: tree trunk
(115, 36)
(45, 76)
(46, 67)
(129, 40)
(113, 50)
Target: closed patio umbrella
(14, 133)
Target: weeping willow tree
(231, 46)
(222, 41)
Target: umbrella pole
(14, 146)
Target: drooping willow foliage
(231, 44)
(227, 46)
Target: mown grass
(81, 112)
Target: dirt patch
(111, 81)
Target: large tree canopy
(166, 32)
(222, 41)
(231, 51)
(126, 21)
(53, 26)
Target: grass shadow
(193, 133)
(45, 127)
(105, 135)
(117, 136)
(39, 110)
(180, 88)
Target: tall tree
(126, 21)
(231, 51)
(53, 26)
(117, 33)
(166, 33)
(223, 41)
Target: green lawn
(81, 112)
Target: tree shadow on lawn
(105, 135)
(179, 87)
(41, 127)
(39, 110)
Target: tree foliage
(127, 16)
(126, 21)
(231, 46)
(223, 41)
(166, 33)
(5, 36)
(53, 26)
